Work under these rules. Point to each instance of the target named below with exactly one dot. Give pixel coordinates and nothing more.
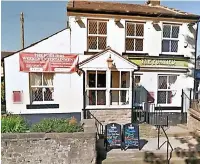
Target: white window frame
(41, 86)
(96, 35)
(134, 37)
(170, 38)
(165, 90)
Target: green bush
(13, 124)
(56, 125)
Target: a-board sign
(113, 134)
(131, 135)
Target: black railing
(98, 124)
(167, 141)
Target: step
(155, 161)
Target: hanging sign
(113, 135)
(131, 135)
(47, 62)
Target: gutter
(132, 13)
(84, 95)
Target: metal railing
(167, 141)
(98, 124)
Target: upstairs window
(134, 36)
(170, 38)
(97, 34)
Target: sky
(43, 18)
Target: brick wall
(49, 148)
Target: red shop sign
(47, 62)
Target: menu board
(113, 134)
(131, 135)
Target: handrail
(168, 143)
(98, 124)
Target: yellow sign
(158, 62)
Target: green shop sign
(159, 62)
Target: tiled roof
(127, 9)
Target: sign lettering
(158, 62)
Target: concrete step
(155, 161)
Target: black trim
(134, 54)
(172, 56)
(89, 53)
(42, 106)
(133, 13)
(168, 108)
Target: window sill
(170, 55)
(42, 106)
(134, 54)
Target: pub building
(112, 58)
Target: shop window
(41, 86)
(170, 38)
(134, 39)
(120, 84)
(96, 87)
(97, 34)
(166, 89)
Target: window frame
(134, 37)
(170, 38)
(40, 86)
(165, 90)
(96, 35)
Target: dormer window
(170, 38)
(134, 37)
(97, 35)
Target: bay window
(41, 87)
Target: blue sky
(43, 18)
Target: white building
(151, 48)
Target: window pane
(101, 79)
(175, 31)
(92, 27)
(114, 98)
(169, 97)
(138, 44)
(161, 97)
(48, 94)
(115, 79)
(162, 82)
(92, 97)
(166, 31)
(171, 81)
(130, 44)
(48, 79)
(91, 80)
(36, 79)
(102, 28)
(124, 97)
(92, 42)
(174, 46)
(165, 45)
(130, 29)
(125, 79)
(102, 43)
(37, 94)
(139, 29)
(101, 97)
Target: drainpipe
(195, 95)
(84, 104)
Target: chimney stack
(153, 2)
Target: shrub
(56, 125)
(13, 124)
